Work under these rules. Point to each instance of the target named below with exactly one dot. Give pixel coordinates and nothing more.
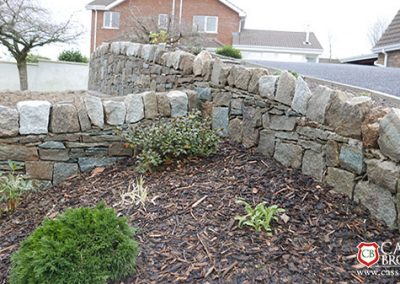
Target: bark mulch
(187, 231)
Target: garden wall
(340, 139)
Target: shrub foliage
(229, 51)
(169, 140)
(84, 245)
(72, 56)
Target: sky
(343, 23)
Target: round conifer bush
(84, 245)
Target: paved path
(386, 80)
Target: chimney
(307, 41)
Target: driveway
(386, 80)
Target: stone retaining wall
(52, 142)
(337, 138)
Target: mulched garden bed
(187, 231)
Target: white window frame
(159, 21)
(205, 24)
(109, 26)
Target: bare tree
(376, 30)
(25, 25)
(139, 28)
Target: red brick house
(388, 47)
(218, 19)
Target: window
(111, 20)
(205, 24)
(163, 21)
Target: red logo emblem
(368, 254)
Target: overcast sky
(346, 22)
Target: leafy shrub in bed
(84, 245)
(229, 51)
(169, 140)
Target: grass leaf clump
(229, 51)
(171, 140)
(84, 245)
(260, 217)
(12, 186)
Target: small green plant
(229, 51)
(295, 74)
(12, 186)
(259, 217)
(72, 56)
(159, 37)
(170, 140)
(33, 58)
(83, 245)
(136, 193)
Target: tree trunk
(23, 74)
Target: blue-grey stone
(179, 103)
(62, 171)
(220, 120)
(204, 93)
(87, 164)
(52, 145)
(351, 158)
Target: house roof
(391, 37)
(109, 4)
(277, 39)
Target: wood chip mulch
(187, 231)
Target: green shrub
(229, 51)
(159, 37)
(84, 245)
(72, 56)
(170, 140)
(259, 217)
(12, 186)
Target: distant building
(388, 47)
(366, 59)
(278, 45)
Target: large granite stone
(133, 49)
(220, 73)
(64, 118)
(285, 88)
(94, 108)
(33, 117)
(239, 77)
(256, 74)
(302, 95)
(384, 173)
(314, 164)
(379, 201)
(164, 106)
(83, 116)
(236, 130)
(148, 51)
(288, 154)
(9, 122)
(252, 120)
(352, 159)
(346, 114)
(204, 93)
(222, 99)
(281, 122)
(150, 105)
(61, 155)
(179, 103)
(186, 64)
(332, 150)
(318, 104)
(134, 108)
(115, 112)
(370, 126)
(342, 181)
(267, 86)
(52, 145)
(266, 145)
(389, 135)
(63, 171)
(220, 120)
(39, 170)
(201, 59)
(237, 106)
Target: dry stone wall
(52, 142)
(338, 138)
